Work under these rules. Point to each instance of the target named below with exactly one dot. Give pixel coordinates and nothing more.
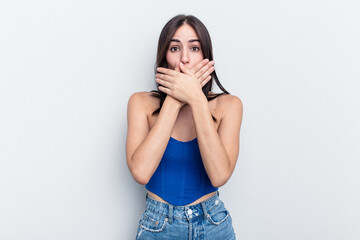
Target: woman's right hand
(173, 100)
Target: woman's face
(185, 47)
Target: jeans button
(189, 211)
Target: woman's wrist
(173, 102)
(198, 100)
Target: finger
(206, 74)
(184, 69)
(198, 66)
(163, 83)
(203, 83)
(168, 92)
(164, 77)
(165, 90)
(166, 71)
(204, 69)
(177, 67)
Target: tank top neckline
(183, 141)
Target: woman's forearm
(213, 153)
(147, 156)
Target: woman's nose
(184, 57)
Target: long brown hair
(164, 40)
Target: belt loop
(171, 207)
(204, 209)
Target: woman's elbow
(220, 181)
(139, 177)
(142, 181)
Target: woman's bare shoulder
(229, 99)
(227, 102)
(144, 100)
(143, 95)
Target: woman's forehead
(185, 33)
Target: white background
(67, 69)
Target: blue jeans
(206, 220)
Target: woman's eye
(195, 49)
(173, 49)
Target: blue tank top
(180, 178)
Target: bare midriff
(203, 198)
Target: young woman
(183, 140)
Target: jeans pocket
(218, 215)
(153, 222)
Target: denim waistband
(182, 212)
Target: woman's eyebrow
(191, 40)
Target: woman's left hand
(184, 85)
